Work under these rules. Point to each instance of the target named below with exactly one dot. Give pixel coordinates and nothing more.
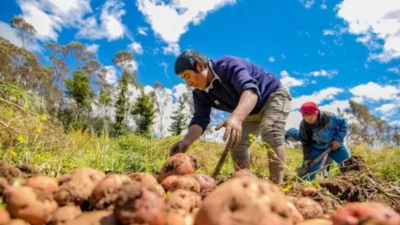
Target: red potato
(316, 222)
(186, 183)
(206, 182)
(178, 164)
(44, 183)
(292, 199)
(149, 181)
(76, 187)
(183, 200)
(140, 206)
(10, 173)
(309, 191)
(296, 215)
(4, 216)
(245, 200)
(3, 185)
(166, 183)
(205, 193)
(179, 217)
(369, 213)
(100, 217)
(32, 205)
(65, 214)
(105, 192)
(309, 208)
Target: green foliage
(178, 119)
(144, 113)
(79, 89)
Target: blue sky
(326, 51)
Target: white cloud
(111, 75)
(171, 20)
(307, 3)
(290, 81)
(395, 70)
(376, 92)
(271, 59)
(323, 73)
(136, 47)
(321, 53)
(93, 48)
(111, 26)
(358, 99)
(10, 34)
(335, 105)
(172, 48)
(323, 6)
(317, 97)
(379, 19)
(179, 90)
(387, 109)
(142, 30)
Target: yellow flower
(20, 138)
(13, 153)
(43, 117)
(26, 106)
(13, 98)
(38, 130)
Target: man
(293, 136)
(257, 101)
(320, 130)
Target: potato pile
(177, 196)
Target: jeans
(339, 155)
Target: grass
(30, 136)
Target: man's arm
(341, 125)
(246, 104)
(194, 132)
(200, 119)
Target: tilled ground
(178, 195)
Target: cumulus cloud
(271, 59)
(170, 19)
(375, 92)
(317, 97)
(307, 3)
(136, 47)
(290, 81)
(324, 73)
(93, 48)
(375, 21)
(395, 70)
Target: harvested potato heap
(177, 196)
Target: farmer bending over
(318, 131)
(293, 136)
(257, 101)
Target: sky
(324, 51)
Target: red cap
(309, 108)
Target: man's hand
(335, 145)
(178, 147)
(233, 129)
(307, 164)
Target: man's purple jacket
(233, 76)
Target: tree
(178, 118)
(162, 100)
(79, 89)
(24, 29)
(144, 113)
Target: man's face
(309, 118)
(196, 79)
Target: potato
(76, 187)
(316, 222)
(18, 222)
(139, 205)
(186, 183)
(292, 199)
(9, 172)
(145, 179)
(33, 205)
(28, 170)
(178, 164)
(179, 217)
(4, 216)
(243, 173)
(166, 183)
(205, 193)
(369, 213)
(3, 185)
(245, 200)
(206, 182)
(105, 192)
(309, 208)
(100, 217)
(297, 217)
(397, 208)
(183, 200)
(65, 214)
(309, 191)
(44, 183)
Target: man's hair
(188, 60)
